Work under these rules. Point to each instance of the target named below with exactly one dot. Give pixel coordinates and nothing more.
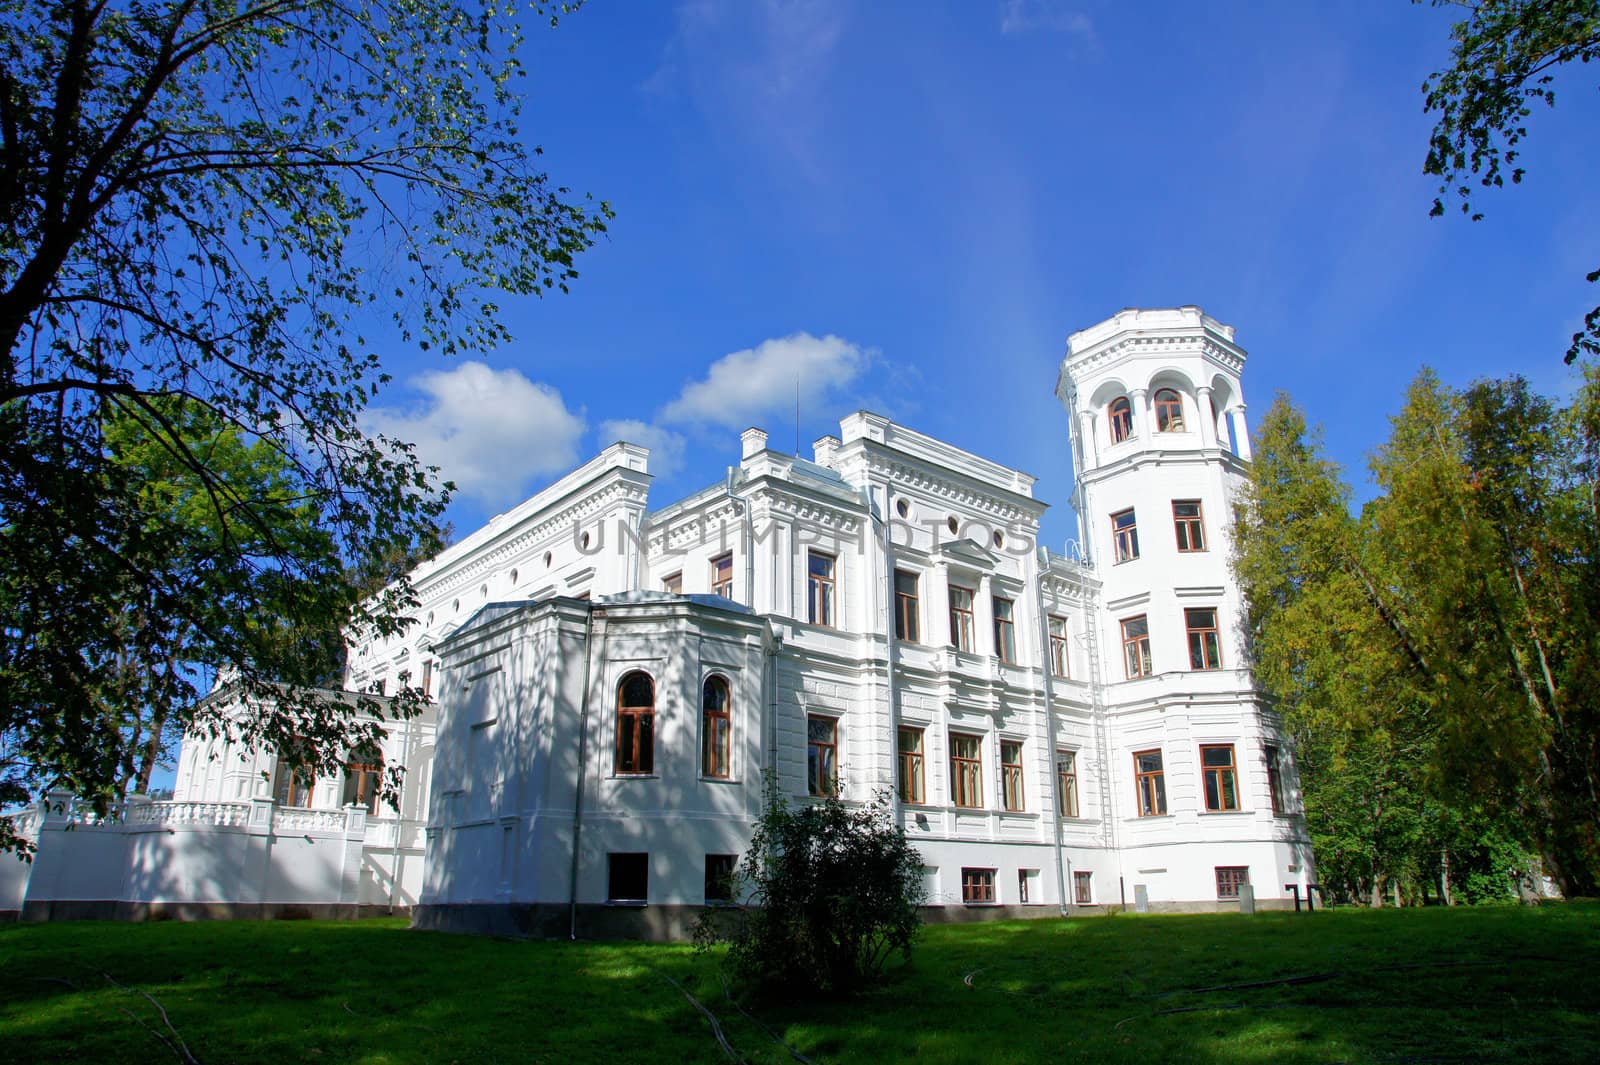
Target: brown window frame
(822, 590)
(427, 678)
(1150, 784)
(1205, 642)
(822, 758)
(966, 772)
(672, 583)
(907, 608)
(367, 775)
(716, 729)
(1067, 783)
(912, 780)
(1125, 536)
(1119, 416)
(1082, 888)
(636, 729)
(291, 782)
(963, 623)
(1169, 411)
(977, 886)
(1012, 795)
(1189, 529)
(1005, 629)
(621, 862)
(1271, 755)
(1136, 660)
(1024, 896)
(1230, 878)
(720, 871)
(1060, 650)
(1220, 782)
(722, 585)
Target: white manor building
(613, 683)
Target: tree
(231, 205)
(832, 892)
(1436, 656)
(1505, 55)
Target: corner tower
(1149, 391)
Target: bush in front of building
(831, 892)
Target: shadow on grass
(1397, 986)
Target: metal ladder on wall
(1097, 712)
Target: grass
(1463, 985)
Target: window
(1230, 878)
(910, 743)
(363, 778)
(822, 755)
(636, 724)
(1011, 773)
(1058, 646)
(1121, 419)
(1125, 535)
(905, 606)
(427, 678)
(1203, 650)
(722, 576)
(1005, 631)
(1188, 523)
(1151, 783)
(1136, 646)
(1222, 782)
(977, 886)
(1027, 885)
(1067, 783)
(1275, 780)
(719, 877)
(1083, 888)
(966, 770)
(819, 585)
(293, 785)
(716, 730)
(672, 583)
(1169, 411)
(629, 877)
(960, 618)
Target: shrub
(831, 892)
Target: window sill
(634, 776)
(1227, 813)
(627, 904)
(1125, 561)
(704, 779)
(1148, 817)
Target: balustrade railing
(225, 814)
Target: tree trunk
(1377, 892)
(1444, 876)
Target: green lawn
(1462, 985)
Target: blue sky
(914, 204)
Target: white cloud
(1026, 16)
(489, 431)
(666, 447)
(742, 386)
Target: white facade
(547, 808)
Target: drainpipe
(891, 646)
(583, 764)
(400, 822)
(1047, 672)
(746, 536)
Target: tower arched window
(716, 729)
(1121, 419)
(636, 724)
(1169, 411)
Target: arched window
(1121, 419)
(1169, 412)
(636, 724)
(363, 778)
(716, 729)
